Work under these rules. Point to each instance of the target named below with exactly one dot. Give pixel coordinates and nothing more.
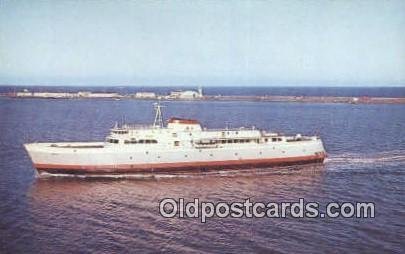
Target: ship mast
(158, 123)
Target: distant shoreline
(264, 98)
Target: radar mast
(158, 123)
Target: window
(176, 143)
(207, 142)
(113, 141)
(144, 141)
(130, 142)
(120, 131)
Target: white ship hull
(99, 158)
(182, 145)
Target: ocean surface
(366, 163)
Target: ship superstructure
(180, 145)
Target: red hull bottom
(177, 167)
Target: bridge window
(113, 141)
(130, 142)
(120, 131)
(141, 141)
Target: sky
(164, 43)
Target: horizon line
(213, 85)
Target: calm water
(53, 215)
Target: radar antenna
(158, 123)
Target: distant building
(24, 94)
(83, 94)
(189, 95)
(86, 94)
(104, 95)
(186, 95)
(51, 95)
(145, 95)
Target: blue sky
(332, 43)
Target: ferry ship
(180, 145)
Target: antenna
(158, 116)
(200, 91)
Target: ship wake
(386, 158)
